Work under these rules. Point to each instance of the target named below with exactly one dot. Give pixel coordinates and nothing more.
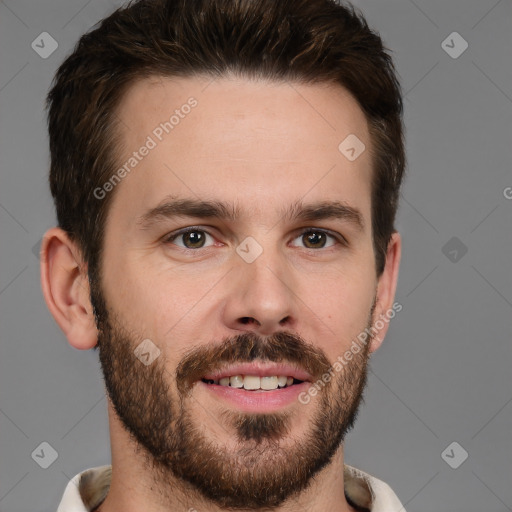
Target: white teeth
(237, 381)
(268, 382)
(254, 382)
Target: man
(226, 176)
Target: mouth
(258, 376)
(257, 386)
(255, 382)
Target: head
(226, 118)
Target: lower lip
(257, 401)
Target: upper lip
(261, 370)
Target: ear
(65, 287)
(386, 288)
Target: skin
(261, 146)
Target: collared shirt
(87, 490)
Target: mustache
(246, 347)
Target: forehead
(261, 144)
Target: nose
(261, 296)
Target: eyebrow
(173, 207)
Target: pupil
(315, 239)
(194, 239)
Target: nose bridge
(262, 298)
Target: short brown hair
(303, 41)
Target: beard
(262, 465)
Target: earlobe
(386, 289)
(65, 288)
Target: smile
(255, 382)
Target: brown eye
(191, 239)
(316, 239)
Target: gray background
(443, 373)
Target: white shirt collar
(88, 489)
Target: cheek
(344, 305)
(169, 306)
(137, 296)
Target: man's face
(253, 282)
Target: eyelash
(336, 236)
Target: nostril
(247, 320)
